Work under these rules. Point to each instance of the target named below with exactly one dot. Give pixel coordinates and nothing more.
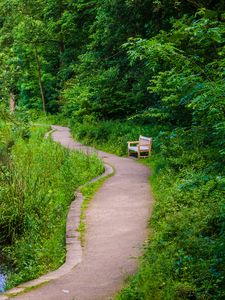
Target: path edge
(73, 245)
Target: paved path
(117, 226)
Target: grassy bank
(37, 183)
(184, 257)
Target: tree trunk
(40, 81)
(12, 103)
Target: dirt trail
(117, 227)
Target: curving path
(117, 227)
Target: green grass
(37, 185)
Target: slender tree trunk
(12, 103)
(40, 81)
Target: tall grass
(37, 185)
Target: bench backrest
(143, 140)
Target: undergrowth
(37, 184)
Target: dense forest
(112, 70)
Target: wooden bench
(141, 147)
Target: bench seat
(142, 148)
